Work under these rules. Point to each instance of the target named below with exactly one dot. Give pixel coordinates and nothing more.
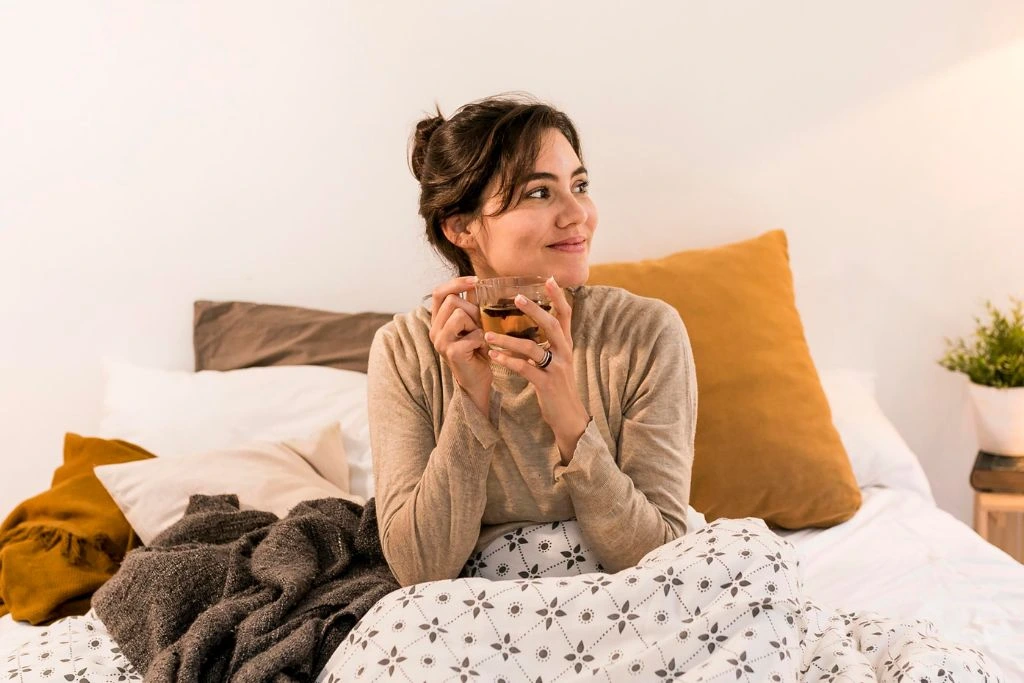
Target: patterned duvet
(724, 603)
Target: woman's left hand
(557, 394)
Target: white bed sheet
(13, 633)
(903, 557)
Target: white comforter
(902, 556)
(724, 603)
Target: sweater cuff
(483, 427)
(592, 467)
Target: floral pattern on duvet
(73, 650)
(724, 603)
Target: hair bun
(421, 139)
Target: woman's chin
(572, 277)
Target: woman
(469, 443)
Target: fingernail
(552, 280)
(489, 336)
(520, 299)
(472, 279)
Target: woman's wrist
(481, 398)
(569, 439)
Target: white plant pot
(999, 419)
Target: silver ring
(546, 361)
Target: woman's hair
(455, 159)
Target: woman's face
(548, 232)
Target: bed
(899, 556)
(273, 426)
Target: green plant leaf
(994, 356)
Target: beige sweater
(450, 479)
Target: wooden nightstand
(998, 483)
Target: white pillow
(154, 493)
(174, 413)
(878, 454)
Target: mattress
(903, 557)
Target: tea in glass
(498, 310)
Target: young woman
(468, 442)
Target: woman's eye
(582, 187)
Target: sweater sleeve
(430, 493)
(627, 508)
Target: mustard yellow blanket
(58, 547)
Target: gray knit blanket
(226, 594)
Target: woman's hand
(457, 336)
(557, 394)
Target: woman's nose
(572, 212)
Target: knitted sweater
(450, 479)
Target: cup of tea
(498, 310)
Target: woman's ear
(456, 229)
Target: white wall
(153, 153)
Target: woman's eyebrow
(551, 176)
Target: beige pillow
(274, 477)
(765, 445)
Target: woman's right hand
(456, 334)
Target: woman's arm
(627, 509)
(430, 493)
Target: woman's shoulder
(416, 321)
(605, 305)
(405, 333)
(619, 324)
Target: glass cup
(498, 310)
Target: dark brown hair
(454, 160)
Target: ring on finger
(546, 360)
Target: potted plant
(994, 361)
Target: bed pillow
(228, 335)
(58, 547)
(174, 413)
(268, 476)
(878, 454)
(765, 444)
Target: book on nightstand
(998, 473)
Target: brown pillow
(765, 444)
(58, 547)
(228, 335)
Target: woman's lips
(569, 248)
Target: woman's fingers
(560, 306)
(458, 325)
(447, 310)
(453, 303)
(459, 337)
(528, 370)
(526, 348)
(452, 287)
(546, 321)
(471, 343)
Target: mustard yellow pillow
(765, 444)
(58, 547)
